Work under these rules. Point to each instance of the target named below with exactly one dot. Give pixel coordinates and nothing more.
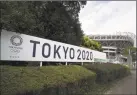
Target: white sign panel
(21, 47)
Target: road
(126, 86)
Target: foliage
(48, 80)
(91, 44)
(126, 50)
(55, 20)
(59, 80)
(108, 72)
(133, 51)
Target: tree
(133, 51)
(91, 44)
(55, 20)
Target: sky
(108, 17)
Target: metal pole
(41, 64)
(66, 64)
(82, 63)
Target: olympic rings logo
(15, 51)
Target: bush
(108, 72)
(47, 80)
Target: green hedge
(108, 72)
(48, 80)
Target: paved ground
(126, 86)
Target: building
(114, 44)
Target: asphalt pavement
(126, 86)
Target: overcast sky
(107, 17)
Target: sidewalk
(126, 86)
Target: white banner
(21, 47)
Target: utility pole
(129, 59)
